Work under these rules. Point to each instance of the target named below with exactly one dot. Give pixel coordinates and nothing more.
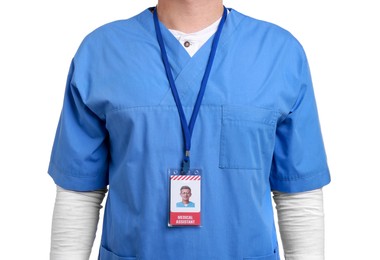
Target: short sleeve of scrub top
(299, 159)
(79, 158)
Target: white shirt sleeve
(75, 220)
(301, 224)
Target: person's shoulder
(252, 23)
(115, 34)
(265, 29)
(117, 29)
(123, 25)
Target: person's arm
(75, 220)
(301, 224)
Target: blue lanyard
(188, 129)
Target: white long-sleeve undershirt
(75, 220)
(192, 42)
(301, 224)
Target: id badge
(185, 198)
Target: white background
(39, 38)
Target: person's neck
(189, 15)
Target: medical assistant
(257, 131)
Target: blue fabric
(182, 205)
(257, 130)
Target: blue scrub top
(257, 131)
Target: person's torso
(247, 94)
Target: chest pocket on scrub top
(247, 137)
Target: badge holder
(185, 198)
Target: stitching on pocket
(107, 254)
(272, 256)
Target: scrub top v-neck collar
(188, 71)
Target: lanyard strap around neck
(188, 129)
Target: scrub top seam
(155, 107)
(63, 171)
(227, 38)
(295, 178)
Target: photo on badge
(185, 199)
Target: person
(245, 88)
(185, 193)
